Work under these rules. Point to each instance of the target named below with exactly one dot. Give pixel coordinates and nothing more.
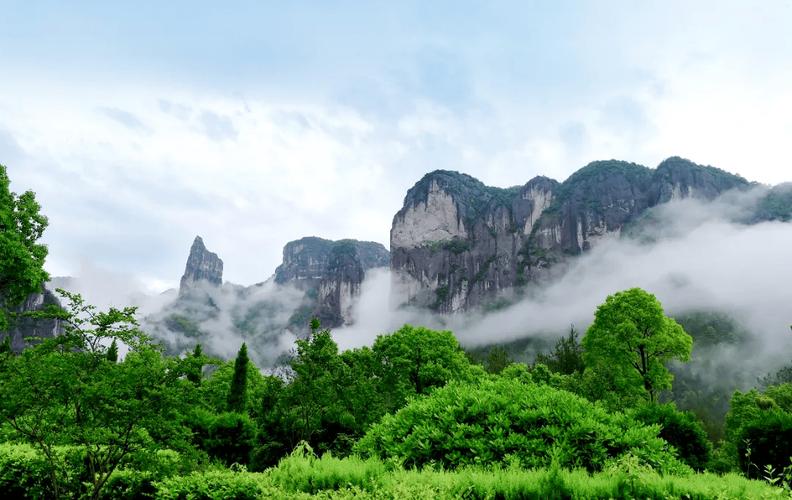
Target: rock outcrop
(457, 244)
(202, 266)
(330, 273)
(24, 329)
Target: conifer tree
(195, 369)
(237, 393)
(112, 352)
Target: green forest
(102, 411)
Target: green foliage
(216, 485)
(583, 185)
(766, 443)
(230, 437)
(184, 325)
(26, 473)
(629, 343)
(757, 421)
(776, 205)
(65, 391)
(194, 365)
(681, 429)
(416, 359)
(302, 475)
(497, 359)
(237, 392)
(112, 352)
(213, 392)
(567, 355)
(504, 421)
(21, 257)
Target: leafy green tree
(66, 391)
(21, 257)
(630, 342)
(314, 403)
(413, 360)
(237, 392)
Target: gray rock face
(24, 328)
(456, 243)
(202, 265)
(330, 273)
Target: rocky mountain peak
(330, 272)
(677, 178)
(457, 242)
(202, 265)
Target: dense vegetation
(101, 412)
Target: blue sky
(141, 124)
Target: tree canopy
(21, 256)
(630, 342)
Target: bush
(25, 472)
(766, 443)
(229, 437)
(681, 429)
(219, 485)
(504, 421)
(748, 408)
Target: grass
(303, 476)
(328, 477)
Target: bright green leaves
(21, 258)
(503, 421)
(628, 345)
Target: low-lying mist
(693, 255)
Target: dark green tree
(497, 359)
(566, 357)
(195, 364)
(21, 257)
(413, 360)
(681, 429)
(630, 342)
(112, 352)
(237, 392)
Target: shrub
(25, 472)
(229, 437)
(504, 421)
(766, 444)
(681, 429)
(219, 485)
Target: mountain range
(456, 245)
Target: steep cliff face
(330, 273)
(202, 266)
(456, 243)
(25, 327)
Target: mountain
(330, 271)
(202, 266)
(457, 244)
(317, 278)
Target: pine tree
(237, 393)
(112, 352)
(195, 366)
